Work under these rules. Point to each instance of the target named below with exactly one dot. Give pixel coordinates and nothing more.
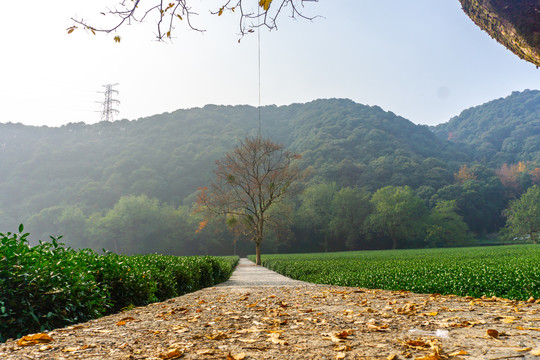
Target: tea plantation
(50, 286)
(506, 271)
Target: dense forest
(129, 186)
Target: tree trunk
(258, 253)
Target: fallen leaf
(240, 356)
(535, 352)
(430, 357)
(206, 352)
(341, 355)
(344, 334)
(274, 337)
(173, 354)
(70, 349)
(216, 336)
(458, 353)
(492, 333)
(45, 347)
(34, 339)
(249, 341)
(374, 327)
(508, 319)
(343, 348)
(524, 349)
(120, 323)
(417, 344)
(392, 357)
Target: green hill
(505, 130)
(168, 156)
(129, 186)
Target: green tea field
(506, 271)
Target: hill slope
(168, 156)
(505, 130)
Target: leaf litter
(299, 322)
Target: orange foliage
(202, 225)
(463, 174)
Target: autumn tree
(464, 173)
(523, 215)
(512, 176)
(168, 14)
(250, 180)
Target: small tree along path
(259, 314)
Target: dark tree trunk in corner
(513, 23)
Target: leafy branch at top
(169, 13)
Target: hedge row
(49, 286)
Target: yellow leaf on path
(535, 352)
(524, 349)
(240, 356)
(343, 348)
(430, 357)
(173, 354)
(341, 355)
(120, 323)
(34, 339)
(45, 347)
(374, 327)
(457, 353)
(274, 337)
(70, 349)
(216, 336)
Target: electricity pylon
(108, 111)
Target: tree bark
(258, 253)
(513, 23)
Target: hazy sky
(421, 59)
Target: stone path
(247, 274)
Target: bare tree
(169, 13)
(250, 180)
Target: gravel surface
(259, 314)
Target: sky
(424, 60)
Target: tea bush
(49, 286)
(504, 271)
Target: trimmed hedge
(49, 286)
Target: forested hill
(505, 130)
(168, 156)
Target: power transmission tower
(108, 110)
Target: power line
(108, 111)
(259, 62)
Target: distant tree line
(130, 186)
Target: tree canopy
(77, 180)
(250, 180)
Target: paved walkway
(247, 274)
